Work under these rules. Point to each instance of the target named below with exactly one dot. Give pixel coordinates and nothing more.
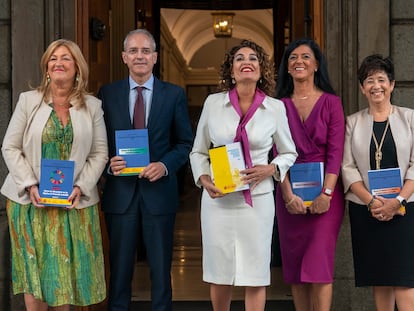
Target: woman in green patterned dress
(57, 257)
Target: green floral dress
(57, 253)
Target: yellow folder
(226, 163)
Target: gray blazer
(356, 160)
(22, 147)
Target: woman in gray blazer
(57, 257)
(377, 138)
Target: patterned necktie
(139, 110)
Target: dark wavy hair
(374, 63)
(284, 86)
(267, 80)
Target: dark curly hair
(267, 80)
(374, 63)
(321, 78)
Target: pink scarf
(241, 133)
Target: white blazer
(22, 147)
(269, 125)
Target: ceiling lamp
(223, 24)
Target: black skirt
(383, 250)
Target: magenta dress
(308, 242)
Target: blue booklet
(385, 182)
(133, 146)
(306, 180)
(56, 182)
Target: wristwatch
(403, 201)
(327, 191)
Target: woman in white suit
(57, 257)
(380, 137)
(237, 227)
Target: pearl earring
(48, 78)
(233, 81)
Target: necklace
(303, 97)
(378, 147)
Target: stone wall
(401, 50)
(5, 110)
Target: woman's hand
(209, 186)
(321, 204)
(34, 196)
(257, 174)
(385, 209)
(295, 205)
(117, 164)
(75, 196)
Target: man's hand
(153, 171)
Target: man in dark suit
(147, 203)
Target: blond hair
(80, 83)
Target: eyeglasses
(134, 51)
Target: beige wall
(172, 64)
(174, 67)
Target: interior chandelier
(223, 24)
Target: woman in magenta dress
(308, 235)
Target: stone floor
(271, 305)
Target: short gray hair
(144, 32)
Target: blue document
(56, 182)
(307, 180)
(133, 146)
(385, 182)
